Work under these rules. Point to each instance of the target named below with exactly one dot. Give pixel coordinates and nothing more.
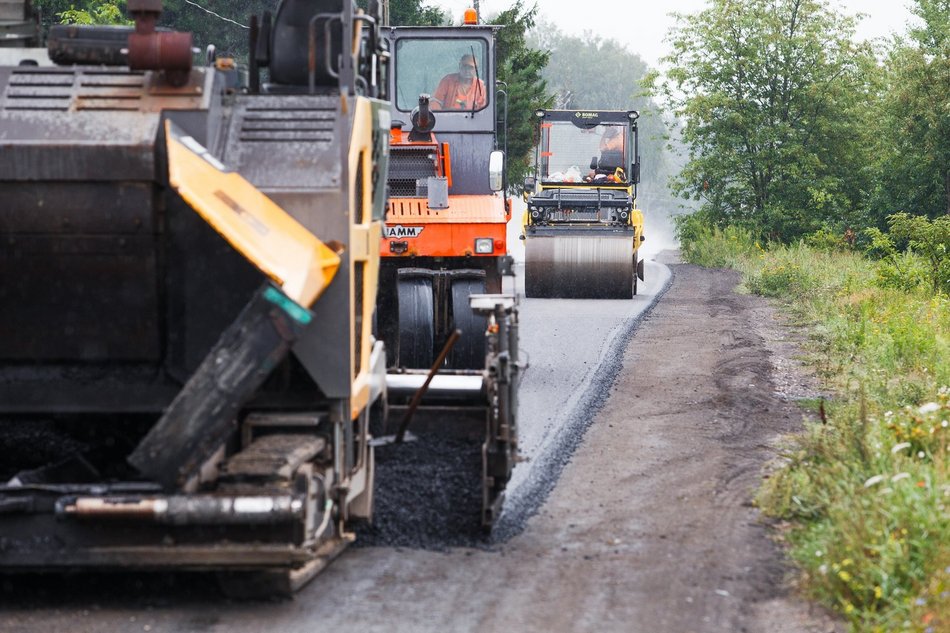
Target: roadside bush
(931, 608)
(865, 493)
(827, 240)
(926, 251)
(704, 244)
(902, 271)
(872, 510)
(779, 280)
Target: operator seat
(290, 44)
(608, 162)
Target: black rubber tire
(416, 329)
(469, 350)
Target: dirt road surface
(646, 528)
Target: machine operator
(459, 91)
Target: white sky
(642, 26)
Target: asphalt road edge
(546, 468)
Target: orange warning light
(471, 16)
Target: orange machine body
(414, 229)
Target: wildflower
(847, 562)
(920, 602)
(899, 447)
(878, 592)
(818, 553)
(930, 407)
(921, 484)
(876, 479)
(848, 607)
(944, 424)
(921, 454)
(845, 576)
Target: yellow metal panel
(252, 223)
(364, 248)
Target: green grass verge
(867, 492)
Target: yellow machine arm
(269, 237)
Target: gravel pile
(428, 495)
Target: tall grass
(866, 491)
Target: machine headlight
(535, 214)
(484, 245)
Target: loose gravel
(428, 495)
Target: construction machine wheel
(469, 350)
(416, 327)
(579, 267)
(638, 267)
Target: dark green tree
(520, 68)
(95, 12)
(415, 13)
(223, 24)
(773, 94)
(211, 21)
(220, 22)
(913, 149)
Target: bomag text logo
(586, 115)
(403, 231)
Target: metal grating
(106, 90)
(406, 166)
(65, 89)
(579, 215)
(410, 208)
(32, 90)
(277, 125)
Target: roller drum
(579, 266)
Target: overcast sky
(642, 26)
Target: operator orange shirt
(454, 96)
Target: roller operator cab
(582, 227)
(444, 237)
(444, 249)
(188, 276)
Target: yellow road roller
(582, 228)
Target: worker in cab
(612, 140)
(463, 90)
(611, 156)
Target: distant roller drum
(579, 266)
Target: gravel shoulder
(654, 507)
